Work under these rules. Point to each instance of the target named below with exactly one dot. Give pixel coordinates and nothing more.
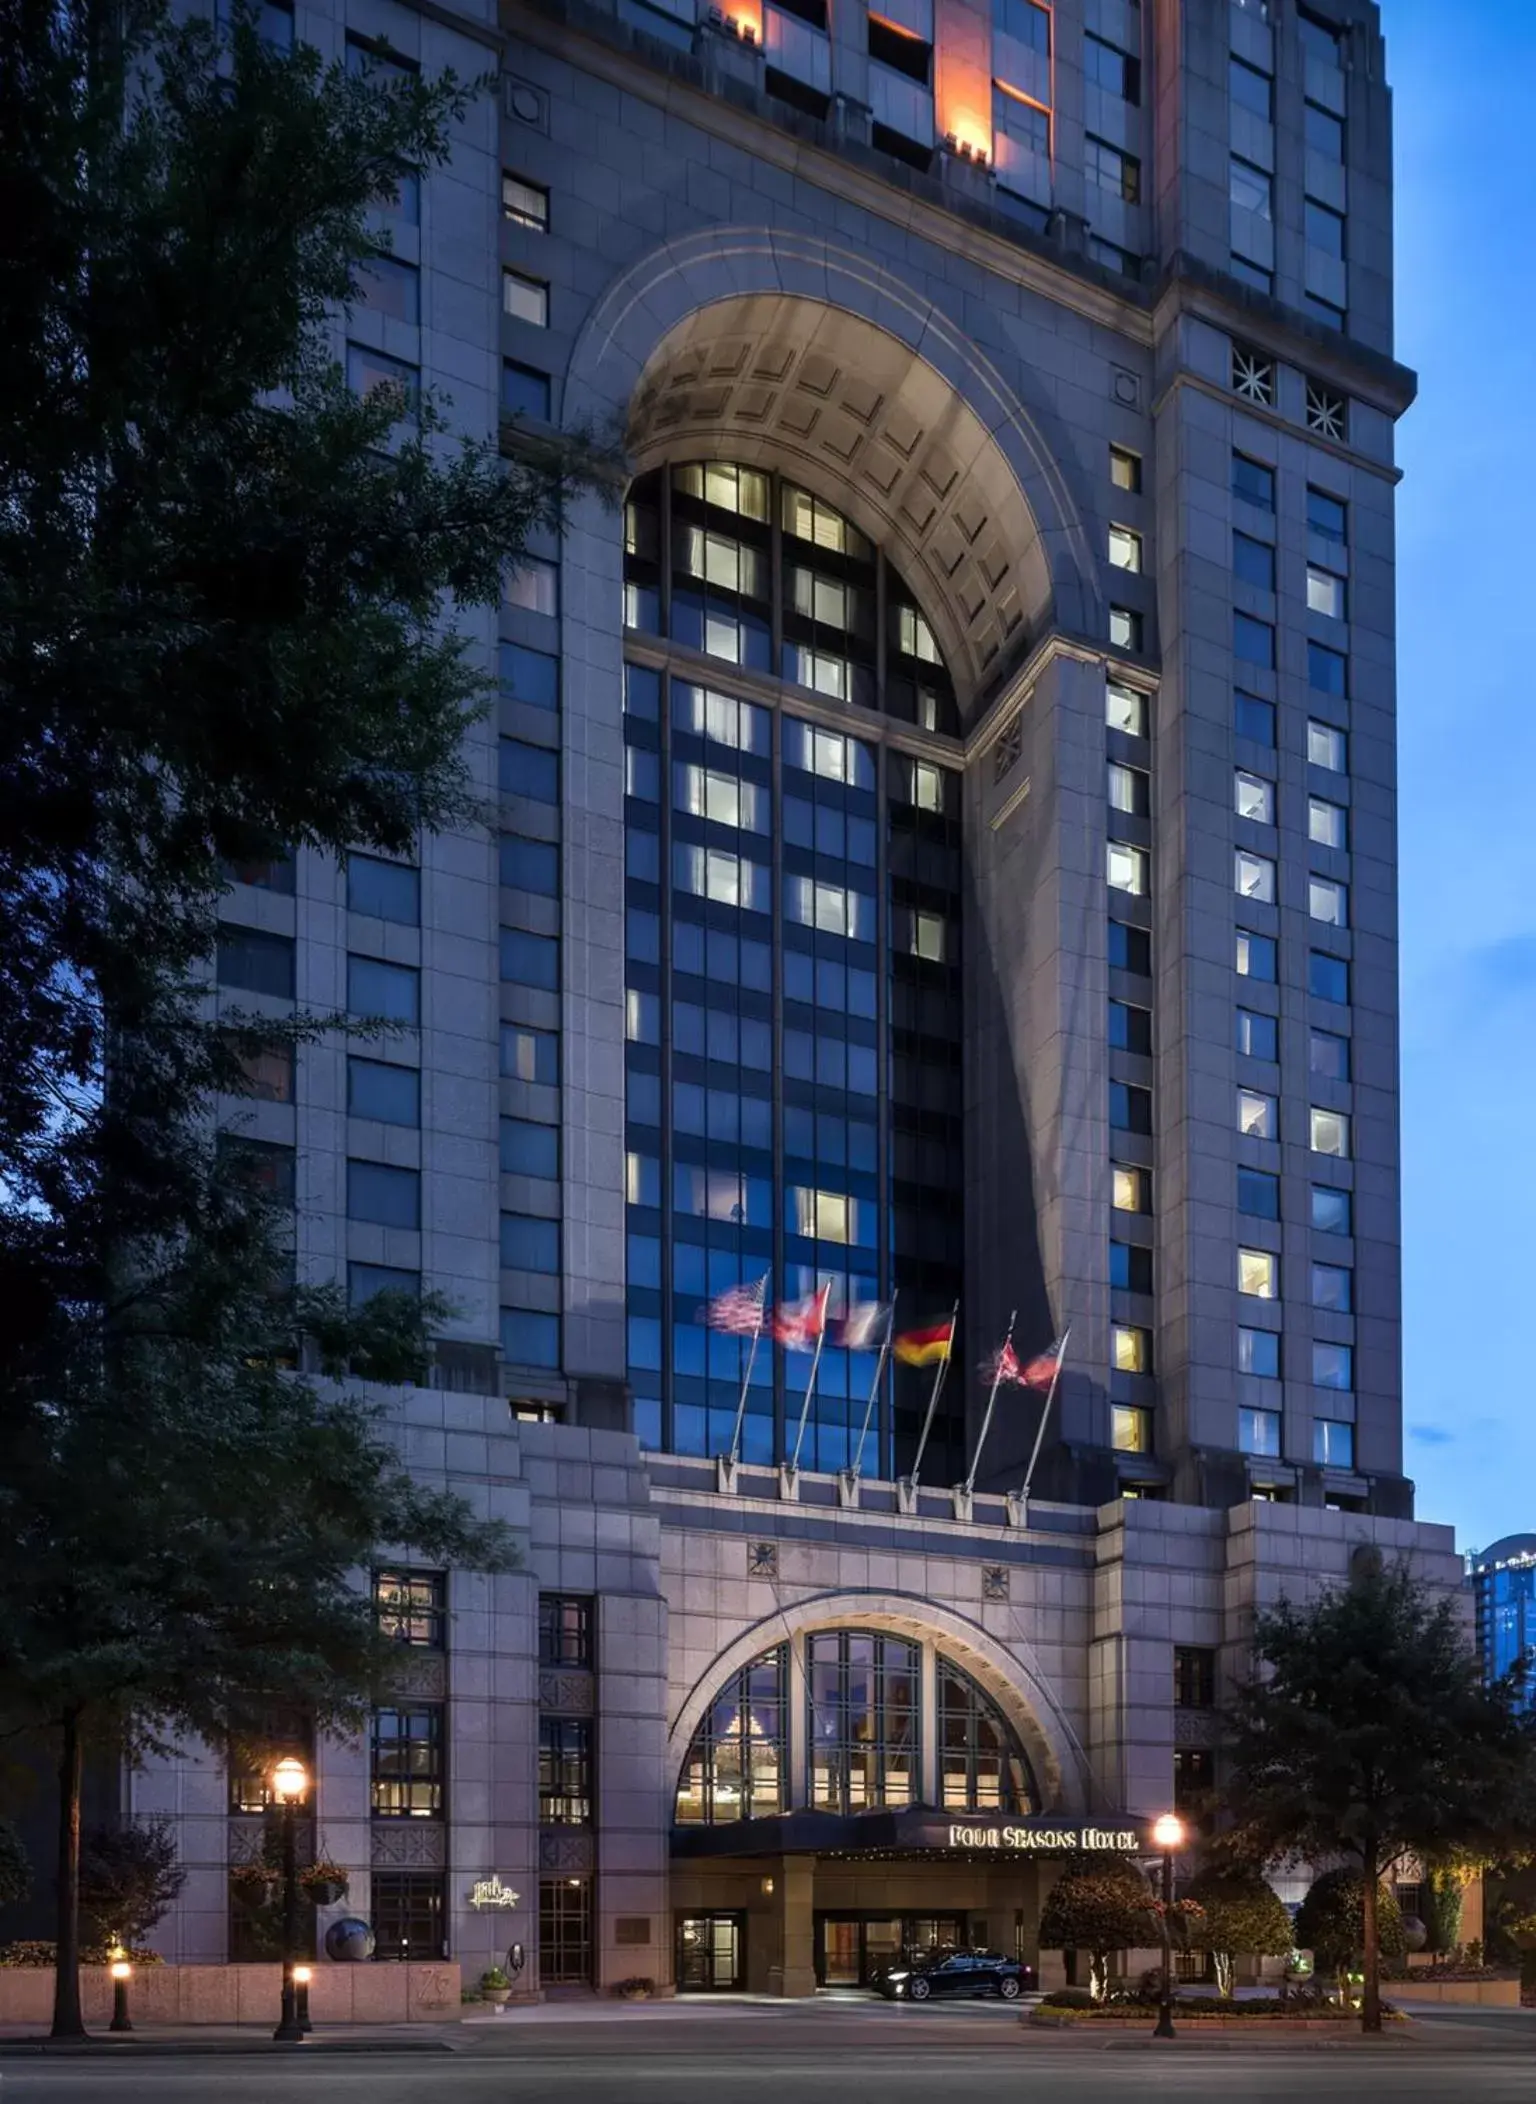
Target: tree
(1331, 1922)
(1368, 1733)
(129, 1880)
(15, 1865)
(1240, 1913)
(1444, 1893)
(1098, 1908)
(228, 592)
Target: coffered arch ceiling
(829, 398)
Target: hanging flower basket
(324, 1883)
(255, 1879)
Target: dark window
(408, 1764)
(528, 1149)
(265, 1166)
(524, 391)
(408, 1914)
(1194, 1779)
(565, 1630)
(524, 202)
(1130, 949)
(530, 1338)
(256, 963)
(388, 286)
(1112, 169)
(268, 873)
(1107, 66)
(534, 865)
(264, 1071)
(1253, 642)
(376, 1090)
(532, 676)
(1327, 516)
(1332, 1211)
(529, 1244)
(364, 55)
(1254, 719)
(365, 1280)
(1257, 1035)
(278, 1732)
(1258, 1194)
(1253, 482)
(387, 1196)
(565, 1932)
(1333, 1287)
(894, 47)
(1327, 670)
(1258, 1353)
(390, 991)
(1130, 1109)
(1324, 228)
(530, 960)
(1130, 1267)
(530, 1055)
(1328, 1055)
(529, 770)
(388, 890)
(1253, 562)
(737, 1763)
(1130, 1029)
(565, 1771)
(1328, 978)
(367, 371)
(411, 1607)
(1251, 89)
(1194, 1677)
(863, 1693)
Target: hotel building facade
(945, 854)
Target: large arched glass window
(736, 1765)
(865, 1732)
(981, 1763)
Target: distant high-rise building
(1504, 1591)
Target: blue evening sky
(1466, 310)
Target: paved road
(752, 2057)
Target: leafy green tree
(229, 592)
(15, 1865)
(1444, 1893)
(129, 1879)
(1241, 1914)
(1098, 1908)
(1367, 1733)
(1330, 1922)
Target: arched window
(981, 1763)
(736, 1765)
(865, 1733)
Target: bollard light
(302, 1975)
(122, 1973)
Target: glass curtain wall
(792, 964)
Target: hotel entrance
(711, 1953)
(852, 1948)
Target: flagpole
(933, 1400)
(986, 1422)
(874, 1389)
(1061, 1360)
(746, 1379)
(810, 1386)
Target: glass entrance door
(852, 1948)
(710, 1951)
(842, 1953)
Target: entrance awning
(918, 1831)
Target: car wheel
(919, 1990)
(1008, 1988)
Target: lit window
(1124, 628)
(1326, 747)
(1130, 1348)
(1255, 956)
(914, 636)
(1328, 901)
(1128, 868)
(525, 298)
(1258, 1115)
(927, 786)
(809, 519)
(714, 873)
(724, 799)
(1333, 1365)
(1330, 1133)
(1254, 876)
(1125, 469)
(1333, 1288)
(534, 1055)
(525, 203)
(1125, 709)
(1258, 1432)
(1257, 1035)
(1333, 1443)
(1325, 593)
(1132, 1189)
(1258, 1274)
(1124, 548)
(729, 488)
(831, 908)
(1327, 824)
(1129, 790)
(823, 1216)
(928, 937)
(1130, 1429)
(1258, 1354)
(1255, 798)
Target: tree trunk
(1223, 1974)
(1370, 2002)
(67, 2020)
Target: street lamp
(122, 1973)
(290, 1782)
(1168, 1835)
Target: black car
(962, 1972)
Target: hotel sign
(1049, 1840)
(491, 1892)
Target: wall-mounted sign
(1051, 1840)
(491, 1892)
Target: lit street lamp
(290, 1781)
(1168, 1835)
(122, 1973)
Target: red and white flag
(863, 1328)
(739, 1309)
(800, 1323)
(1042, 1369)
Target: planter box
(1188, 2026)
(1476, 1994)
(243, 1994)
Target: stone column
(794, 1888)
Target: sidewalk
(19, 2041)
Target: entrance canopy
(916, 1831)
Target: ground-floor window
(565, 1932)
(408, 1912)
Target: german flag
(926, 1347)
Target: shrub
(1241, 1915)
(129, 1880)
(1108, 1907)
(15, 1865)
(1331, 1921)
(36, 1951)
(1067, 1998)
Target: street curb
(179, 2048)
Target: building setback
(945, 853)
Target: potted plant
(636, 1990)
(323, 1883)
(495, 1987)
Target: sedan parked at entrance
(962, 1973)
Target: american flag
(739, 1309)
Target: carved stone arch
(784, 350)
(1010, 1674)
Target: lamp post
(122, 1973)
(290, 1781)
(1168, 1835)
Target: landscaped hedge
(41, 1954)
(1194, 2008)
